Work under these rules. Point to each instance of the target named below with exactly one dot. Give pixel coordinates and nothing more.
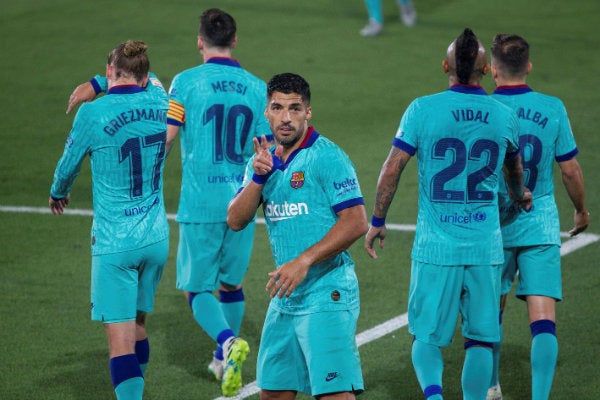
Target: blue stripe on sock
(123, 368)
(142, 351)
(224, 335)
(543, 326)
(231, 297)
(471, 343)
(432, 390)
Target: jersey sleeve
(341, 182)
(176, 113)
(566, 147)
(69, 165)
(406, 135)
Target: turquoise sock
(208, 314)
(374, 10)
(496, 357)
(544, 352)
(429, 365)
(127, 377)
(131, 389)
(477, 370)
(233, 305)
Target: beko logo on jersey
(347, 185)
(279, 212)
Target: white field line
(372, 334)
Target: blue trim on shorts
(123, 368)
(432, 390)
(542, 326)
(472, 343)
(231, 296)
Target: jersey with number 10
(545, 136)
(124, 133)
(220, 108)
(461, 137)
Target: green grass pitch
(49, 347)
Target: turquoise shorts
(310, 353)
(124, 284)
(438, 294)
(537, 269)
(211, 253)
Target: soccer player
(532, 240)
(374, 27)
(125, 134)
(218, 107)
(462, 139)
(314, 211)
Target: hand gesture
(286, 278)
(263, 162)
(372, 234)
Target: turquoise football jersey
(124, 133)
(461, 137)
(220, 108)
(300, 202)
(545, 137)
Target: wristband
(377, 222)
(260, 179)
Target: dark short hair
(511, 53)
(217, 28)
(130, 58)
(289, 83)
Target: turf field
(49, 347)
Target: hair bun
(134, 48)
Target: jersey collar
(223, 61)
(511, 90)
(311, 136)
(125, 89)
(467, 89)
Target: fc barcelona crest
(297, 180)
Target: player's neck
(207, 54)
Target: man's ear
(485, 69)
(445, 66)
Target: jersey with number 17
(219, 108)
(124, 133)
